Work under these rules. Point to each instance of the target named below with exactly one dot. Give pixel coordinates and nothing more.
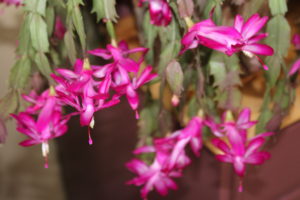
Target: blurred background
(81, 172)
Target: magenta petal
(221, 145)
(177, 150)
(224, 158)
(239, 166)
(296, 41)
(160, 12)
(86, 116)
(295, 67)
(78, 66)
(123, 45)
(161, 188)
(67, 73)
(196, 145)
(260, 49)
(257, 38)
(145, 77)
(46, 114)
(238, 23)
(253, 25)
(144, 149)
(189, 41)
(132, 97)
(105, 85)
(262, 135)
(138, 49)
(137, 166)
(236, 140)
(254, 145)
(103, 70)
(27, 143)
(257, 158)
(170, 184)
(129, 65)
(101, 53)
(244, 116)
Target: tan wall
(22, 176)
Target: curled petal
(239, 166)
(295, 67)
(258, 158)
(103, 53)
(137, 166)
(86, 116)
(238, 23)
(27, 143)
(253, 25)
(221, 145)
(260, 49)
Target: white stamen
(92, 123)
(249, 54)
(45, 149)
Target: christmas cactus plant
(192, 65)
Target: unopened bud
(175, 100)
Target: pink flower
(295, 67)
(78, 89)
(227, 123)
(248, 31)
(160, 12)
(229, 40)
(296, 41)
(154, 175)
(118, 71)
(206, 33)
(191, 134)
(170, 159)
(59, 29)
(120, 56)
(38, 101)
(12, 2)
(50, 123)
(249, 154)
(239, 150)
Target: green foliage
(279, 35)
(105, 9)
(70, 46)
(215, 6)
(274, 70)
(36, 6)
(266, 113)
(9, 103)
(38, 33)
(75, 20)
(170, 44)
(279, 38)
(225, 71)
(43, 64)
(148, 122)
(110, 29)
(265, 116)
(50, 20)
(150, 34)
(24, 38)
(278, 7)
(19, 73)
(174, 77)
